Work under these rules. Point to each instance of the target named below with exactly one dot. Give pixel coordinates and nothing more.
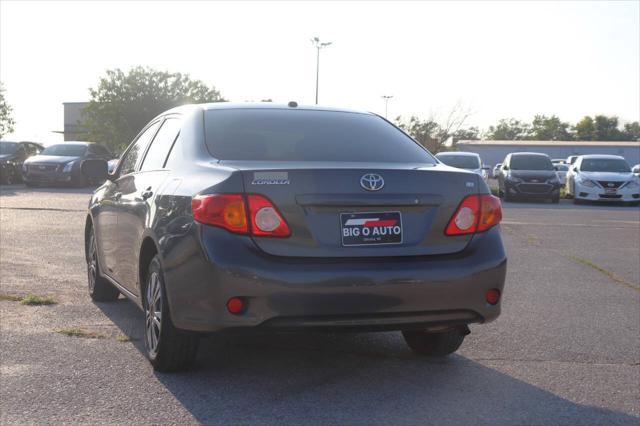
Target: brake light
(266, 221)
(476, 213)
(229, 211)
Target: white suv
(602, 178)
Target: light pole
(318, 45)
(386, 103)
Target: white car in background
(464, 160)
(602, 178)
(636, 170)
(496, 170)
(561, 172)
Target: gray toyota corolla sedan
(282, 217)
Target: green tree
(607, 128)
(470, 134)
(598, 128)
(585, 129)
(426, 132)
(509, 130)
(123, 102)
(631, 131)
(551, 128)
(6, 118)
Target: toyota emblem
(372, 182)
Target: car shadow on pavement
(258, 378)
(16, 189)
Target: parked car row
(532, 175)
(35, 165)
(584, 177)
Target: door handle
(147, 193)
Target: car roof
(529, 153)
(459, 153)
(259, 105)
(602, 157)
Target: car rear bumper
(356, 293)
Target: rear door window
(307, 135)
(159, 149)
(131, 157)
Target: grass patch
(35, 300)
(29, 299)
(79, 332)
(10, 298)
(605, 272)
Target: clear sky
(500, 59)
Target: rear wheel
(168, 348)
(100, 289)
(437, 344)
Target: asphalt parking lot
(566, 349)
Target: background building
(493, 152)
(72, 114)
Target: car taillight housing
(476, 213)
(252, 214)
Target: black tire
(100, 289)
(438, 344)
(507, 197)
(9, 179)
(168, 348)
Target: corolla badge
(372, 182)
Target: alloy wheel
(92, 265)
(153, 313)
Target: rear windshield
(604, 165)
(8, 148)
(303, 135)
(460, 161)
(65, 150)
(530, 162)
(562, 167)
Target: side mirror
(505, 167)
(555, 168)
(95, 169)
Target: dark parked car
(12, 155)
(527, 175)
(60, 163)
(223, 216)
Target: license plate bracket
(371, 228)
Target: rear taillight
(229, 211)
(266, 221)
(476, 213)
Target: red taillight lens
(476, 213)
(493, 296)
(490, 212)
(235, 305)
(266, 221)
(227, 211)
